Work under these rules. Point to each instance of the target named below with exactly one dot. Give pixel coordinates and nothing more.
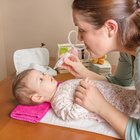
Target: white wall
(27, 23)
(3, 71)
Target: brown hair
(20, 90)
(125, 12)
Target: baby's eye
(41, 79)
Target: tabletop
(11, 129)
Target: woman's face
(97, 41)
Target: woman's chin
(93, 55)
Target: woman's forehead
(80, 20)
(77, 17)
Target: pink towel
(30, 113)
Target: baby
(33, 87)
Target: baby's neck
(58, 84)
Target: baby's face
(43, 85)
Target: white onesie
(64, 107)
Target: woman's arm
(121, 76)
(90, 97)
(124, 73)
(115, 118)
(127, 128)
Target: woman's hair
(20, 89)
(125, 12)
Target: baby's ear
(37, 98)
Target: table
(11, 129)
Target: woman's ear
(37, 98)
(111, 27)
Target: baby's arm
(63, 102)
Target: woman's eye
(81, 31)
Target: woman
(105, 26)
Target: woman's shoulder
(138, 51)
(125, 56)
(137, 57)
(128, 56)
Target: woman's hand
(88, 96)
(75, 67)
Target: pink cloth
(30, 113)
